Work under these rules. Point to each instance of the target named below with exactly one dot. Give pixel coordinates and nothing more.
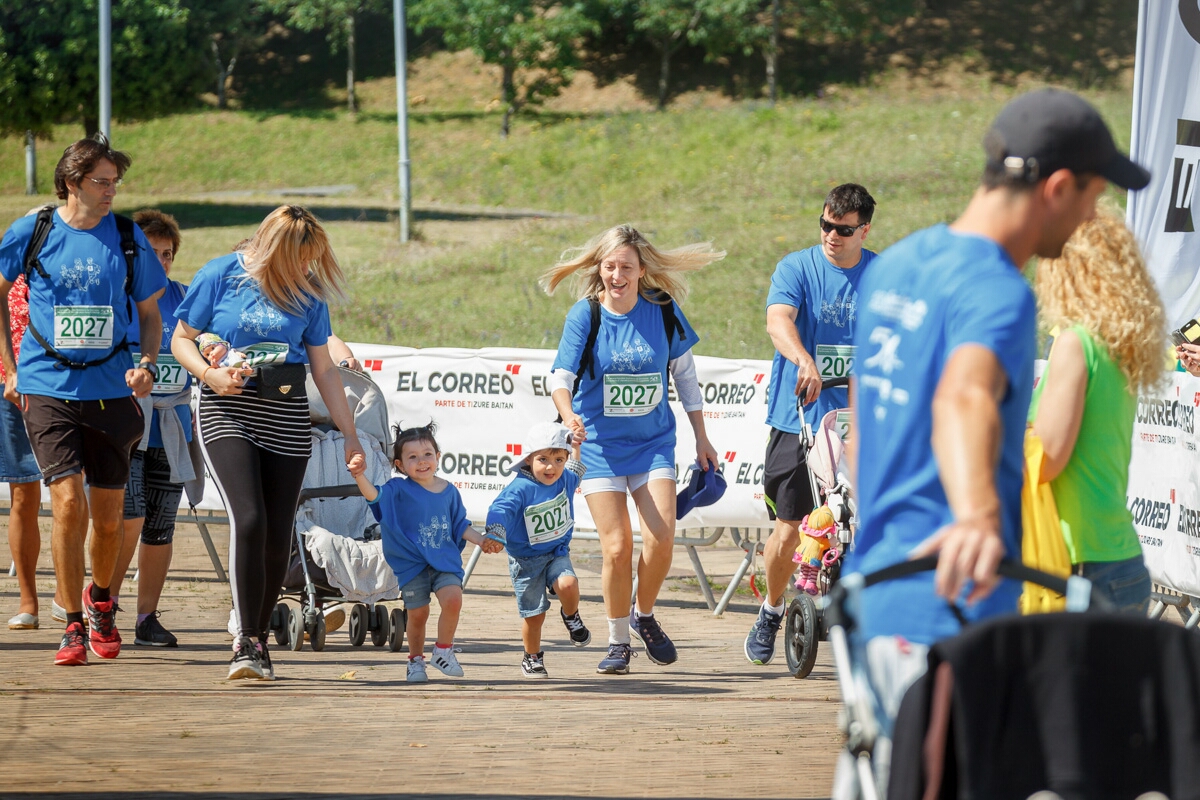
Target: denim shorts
(429, 581)
(1125, 583)
(17, 464)
(531, 578)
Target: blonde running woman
(268, 300)
(609, 383)
(1112, 335)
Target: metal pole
(106, 68)
(402, 119)
(30, 163)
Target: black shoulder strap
(588, 359)
(129, 249)
(41, 230)
(671, 323)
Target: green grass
(750, 178)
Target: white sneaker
(416, 670)
(57, 612)
(443, 658)
(232, 627)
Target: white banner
(1166, 140)
(1164, 483)
(484, 401)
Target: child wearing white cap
(534, 516)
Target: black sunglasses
(845, 231)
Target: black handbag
(280, 381)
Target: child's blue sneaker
(659, 647)
(760, 641)
(617, 660)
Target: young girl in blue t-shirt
(424, 526)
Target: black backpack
(41, 230)
(588, 359)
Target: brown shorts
(94, 437)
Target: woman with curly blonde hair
(609, 383)
(1110, 344)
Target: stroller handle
(835, 383)
(1008, 568)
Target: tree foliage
(49, 62)
(534, 42)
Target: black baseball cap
(1050, 129)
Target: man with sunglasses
(811, 310)
(76, 378)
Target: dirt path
(343, 723)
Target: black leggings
(260, 490)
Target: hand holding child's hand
(491, 546)
(356, 460)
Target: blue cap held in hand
(703, 489)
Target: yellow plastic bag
(1042, 543)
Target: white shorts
(625, 483)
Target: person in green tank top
(1111, 334)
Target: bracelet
(202, 374)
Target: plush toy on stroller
(818, 548)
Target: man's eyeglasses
(106, 184)
(845, 231)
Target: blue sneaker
(659, 647)
(760, 642)
(617, 660)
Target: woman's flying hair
(664, 268)
(1101, 283)
(291, 259)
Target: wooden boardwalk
(343, 723)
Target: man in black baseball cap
(945, 342)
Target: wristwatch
(150, 367)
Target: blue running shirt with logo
(826, 298)
(537, 519)
(172, 377)
(630, 427)
(928, 295)
(224, 300)
(420, 528)
(82, 309)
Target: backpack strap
(671, 323)
(41, 230)
(588, 358)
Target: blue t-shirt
(630, 427)
(224, 300)
(537, 519)
(826, 299)
(82, 309)
(928, 295)
(420, 528)
(172, 377)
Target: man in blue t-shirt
(946, 341)
(76, 383)
(811, 312)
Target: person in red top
(19, 469)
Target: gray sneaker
(57, 612)
(245, 662)
(416, 670)
(760, 641)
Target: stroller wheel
(295, 629)
(801, 634)
(359, 616)
(279, 624)
(317, 639)
(399, 622)
(381, 628)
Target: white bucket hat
(542, 436)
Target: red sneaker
(103, 638)
(73, 650)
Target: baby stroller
(337, 553)
(1091, 705)
(830, 487)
